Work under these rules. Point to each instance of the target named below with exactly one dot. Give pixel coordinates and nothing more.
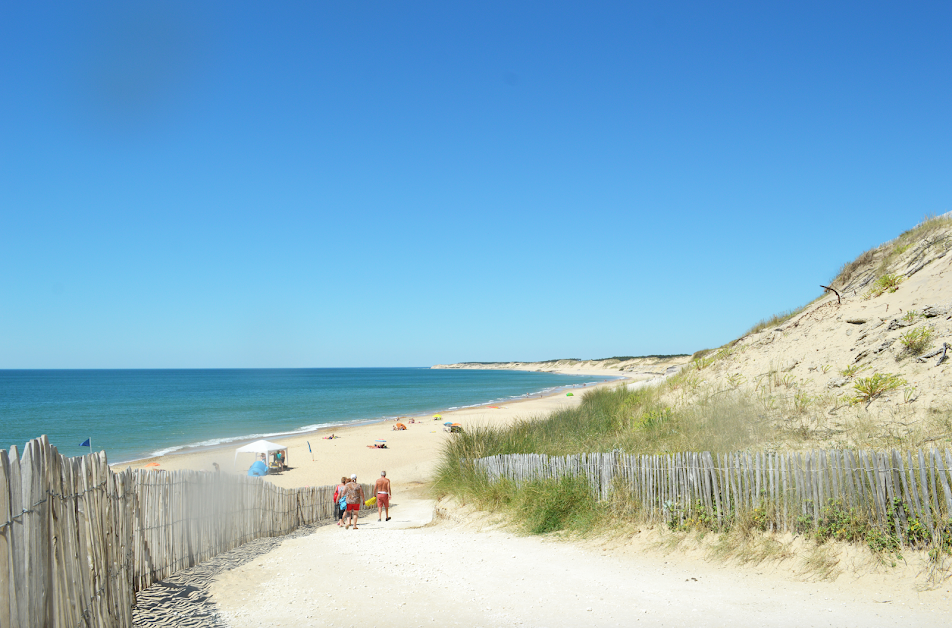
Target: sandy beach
(410, 455)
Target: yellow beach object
(371, 502)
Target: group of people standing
(349, 496)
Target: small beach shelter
(259, 447)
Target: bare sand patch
(468, 571)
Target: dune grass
(774, 321)
(636, 421)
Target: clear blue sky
(388, 183)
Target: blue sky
(395, 184)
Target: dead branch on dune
(827, 288)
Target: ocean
(134, 414)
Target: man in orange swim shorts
(382, 489)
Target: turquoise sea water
(138, 413)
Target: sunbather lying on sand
(378, 446)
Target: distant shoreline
(628, 366)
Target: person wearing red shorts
(354, 495)
(382, 489)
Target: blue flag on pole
(85, 443)
(309, 446)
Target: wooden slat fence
(77, 540)
(907, 493)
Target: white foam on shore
(215, 442)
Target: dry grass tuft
(747, 545)
(848, 270)
(821, 562)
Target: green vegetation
(869, 388)
(910, 316)
(886, 283)
(551, 505)
(853, 370)
(837, 522)
(916, 341)
(735, 380)
(802, 402)
(618, 418)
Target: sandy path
(448, 574)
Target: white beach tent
(259, 447)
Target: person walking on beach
(354, 493)
(340, 504)
(382, 489)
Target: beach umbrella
(569, 394)
(457, 424)
(448, 423)
(437, 416)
